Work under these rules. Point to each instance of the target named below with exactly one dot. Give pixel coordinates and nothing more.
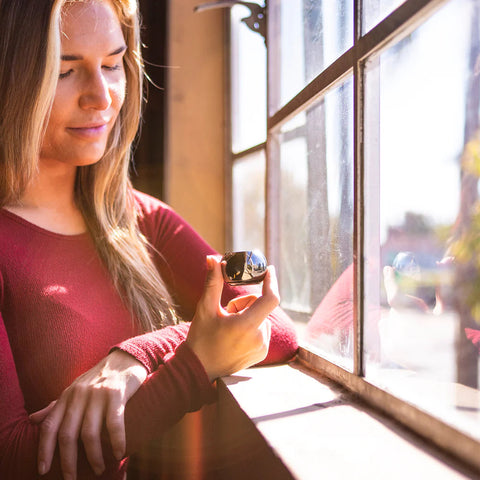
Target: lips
(87, 131)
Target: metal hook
(255, 22)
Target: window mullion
(272, 204)
(272, 176)
(227, 105)
(358, 196)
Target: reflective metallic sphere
(406, 264)
(242, 268)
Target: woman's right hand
(229, 339)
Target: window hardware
(255, 22)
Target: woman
(87, 265)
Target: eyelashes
(65, 74)
(112, 68)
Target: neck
(53, 188)
(49, 200)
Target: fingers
(92, 426)
(210, 300)
(48, 436)
(262, 342)
(63, 425)
(270, 299)
(270, 283)
(69, 432)
(266, 328)
(116, 425)
(96, 397)
(236, 305)
(38, 417)
(91, 436)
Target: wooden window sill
(318, 430)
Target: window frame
(404, 19)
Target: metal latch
(255, 22)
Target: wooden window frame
(400, 22)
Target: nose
(96, 92)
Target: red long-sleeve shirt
(60, 314)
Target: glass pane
(248, 193)
(374, 11)
(316, 223)
(305, 37)
(249, 83)
(423, 217)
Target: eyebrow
(72, 58)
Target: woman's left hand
(97, 396)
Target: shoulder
(151, 211)
(156, 219)
(13, 237)
(148, 205)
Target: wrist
(123, 361)
(203, 358)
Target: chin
(85, 162)
(84, 159)
(76, 157)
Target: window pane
(316, 223)
(249, 202)
(423, 216)
(374, 11)
(305, 37)
(249, 83)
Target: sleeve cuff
(186, 364)
(152, 349)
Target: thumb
(212, 292)
(40, 415)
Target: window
(371, 208)
(249, 132)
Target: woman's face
(91, 86)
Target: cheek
(62, 105)
(65, 93)
(53, 124)
(118, 92)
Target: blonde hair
(29, 67)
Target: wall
(195, 146)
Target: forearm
(152, 349)
(175, 388)
(179, 386)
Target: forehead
(90, 24)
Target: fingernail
(98, 471)
(41, 468)
(118, 454)
(209, 262)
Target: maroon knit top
(60, 315)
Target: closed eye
(112, 68)
(65, 74)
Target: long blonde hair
(29, 69)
